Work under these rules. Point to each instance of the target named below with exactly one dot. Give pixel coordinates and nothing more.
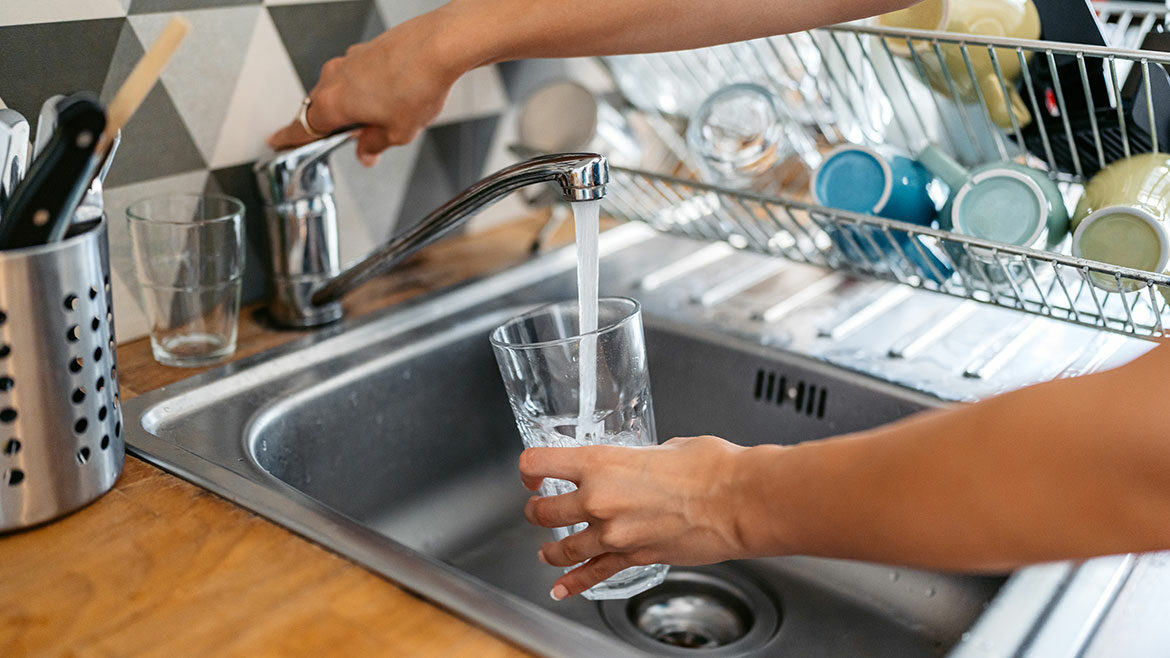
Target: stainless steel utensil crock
(60, 414)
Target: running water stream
(585, 221)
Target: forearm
(485, 31)
(1068, 469)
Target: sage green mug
(1001, 201)
(1122, 218)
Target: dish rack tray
(1089, 106)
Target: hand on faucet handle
(393, 85)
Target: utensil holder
(60, 414)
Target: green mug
(1017, 19)
(1122, 218)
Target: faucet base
(291, 304)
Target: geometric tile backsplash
(241, 73)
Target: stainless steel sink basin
(389, 440)
(419, 445)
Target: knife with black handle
(42, 205)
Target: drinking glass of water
(189, 260)
(570, 388)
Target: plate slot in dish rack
(1078, 108)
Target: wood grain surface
(160, 567)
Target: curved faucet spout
(582, 177)
(297, 187)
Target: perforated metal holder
(60, 413)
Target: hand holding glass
(539, 358)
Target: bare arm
(608, 27)
(1061, 470)
(396, 83)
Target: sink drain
(694, 621)
(710, 613)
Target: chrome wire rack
(1040, 282)
(1072, 110)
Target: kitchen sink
(419, 445)
(389, 440)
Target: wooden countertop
(162, 567)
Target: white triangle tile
(201, 77)
(380, 189)
(266, 97)
(352, 230)
(400, 11)
(21, 12)
(129, 318)
(478, 93)
(130, 321)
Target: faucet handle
(300, 172)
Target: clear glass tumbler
(189, 259)
(539, 354)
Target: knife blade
(42, 205)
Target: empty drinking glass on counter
(189, 259)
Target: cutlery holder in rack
(1086, 107)
(60, 413)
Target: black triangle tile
(155, 6)
(240, 182)
(43, 59)
(317, 32)
(464, 147)
(450, 159)
(154, 143)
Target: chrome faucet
(297, 187)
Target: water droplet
(930, 591)
(894, 576)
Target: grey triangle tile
(450, 159)
(379, 190)
(28, 75)
(399, 11)
(429, 187)
(154, 143)
(479, 92)
(202, 75)
(155, 6)
(266, 97)
(126, 54)
(27, 12)
(334, 26)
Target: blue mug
(861, 180)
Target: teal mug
(862, 180)
(1002, 201)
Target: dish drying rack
(844, 84)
